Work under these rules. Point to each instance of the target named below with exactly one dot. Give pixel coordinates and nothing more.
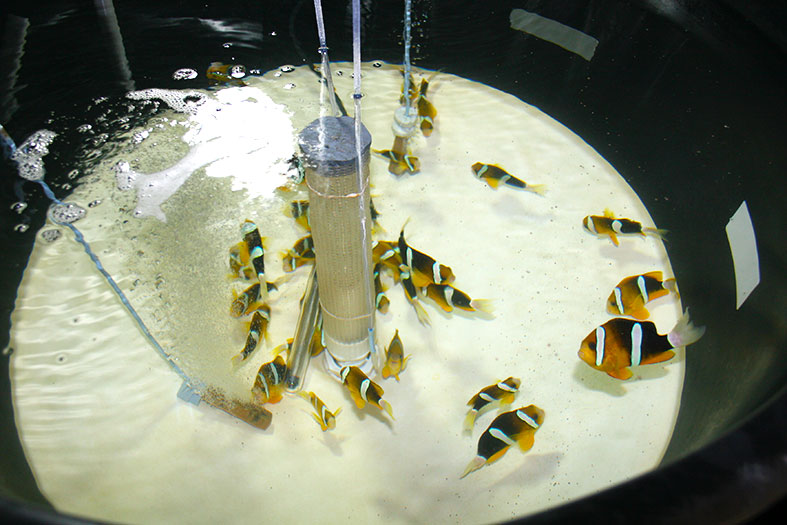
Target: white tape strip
(743, 245)
(547, 29)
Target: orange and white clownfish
(632, 294)
(387, 254)
(424, 269)
(324, 417)
(516, 427)
(239, 260)
(258, 330)
(253, 241)
(499, 394)
(611, 226)
(448, 298)
(269, 382)
(381, 301)
(363, 390)
(620, 343)
(411, 293)
(494, 176)
(426, 110)
(400, 162)
(299, 210)
(244, 303)
(395, 359)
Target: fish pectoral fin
(614, 239)
(621, 373)
(526, 442)
(640, 314)
(319, 421)
(356, 397)
(658, 358)
(492, 182)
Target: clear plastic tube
(300, 355)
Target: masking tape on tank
(743, 245)
(547, 29)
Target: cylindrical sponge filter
(341, 225)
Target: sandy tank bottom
(96, 407)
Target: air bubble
(226, 45)
(287, 68)
(237, 71)
(339, 73)
(28, 155)
(255, 72)
(19, 207)
(289, 86)
(139, 136)
(184, 74)
(21, 228)
(273, 33)
(51, 235)
(377, 63)
(94, 203)
(182, 101)
(277, 74)
(66, 213)
(125, 177)
(73, 174)
(66, 186)
(8, 351)
(84, 128)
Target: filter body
(341, 224)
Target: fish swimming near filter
(411, 293)
(494, 176)
(284, 347)
(303, 247)
(423, 268)
(499, 394)
(632, 294)
(387, 254)
(269, 382)
(317, 344)
(290, 262)
(299, 210)
(245, 302)
(239, 260)
(324, 417)
(395, 359)
(448, 298)
(253, 241)
(611, 226)
(381, 301)
(363, 390)
(258, 331)
(426, 110)
(516, 427)
(400, 162)
(621, 343)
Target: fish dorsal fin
(608, 213)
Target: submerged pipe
(300, 355)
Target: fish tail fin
(237, 359)
(421, 313)
(685, 333)
(278, 282)
(469, 420)
(387, 407)
(337, 411)
(672, 286)
(656, 232)
(483, 305)
(537, 188)
(475, 464)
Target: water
(90, 391)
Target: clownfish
(243, 303)
(363, 390)
(291, 262)
(620, 343)
(400, 162)
(239, 259)
(258, 330)
(303, 247)
(219, 73)
(411, 294)
(426, 110)
(502, 393)
(253, 242)
(381, 301)
(448, 298)
(284, 347)
(518, 426)
(299, 210)
(607, 224)
(317, 344)
(395, 359)
(423, 268)
(269, 382)
(494, 176)
(324, 417)
(632, 294)
(387, 254)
